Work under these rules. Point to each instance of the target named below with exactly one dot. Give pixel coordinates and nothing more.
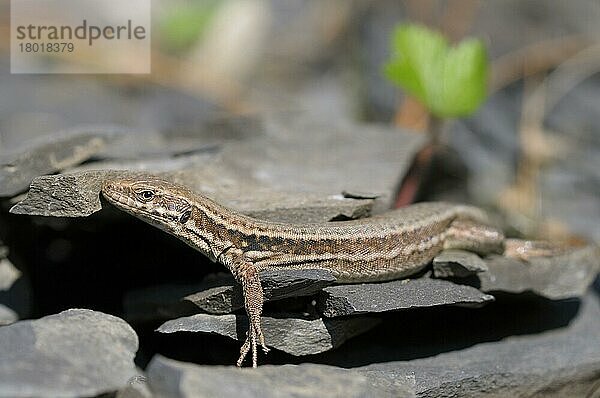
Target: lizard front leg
(246, 274)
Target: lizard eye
(185, 217)
(146, 195)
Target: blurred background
(532, 148)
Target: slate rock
(137, 387)
(15, 291)
(78, 194)
(558, 277)
(260, 175)
(321, 156)
(217, 300)
(51, 153)
(292, 335)
(457, 263)
(7, 315)
(170, 379)
(563, 362)
(71, 354)
(67, 195)
(294, 207)
(9, 275)
(277, 284)
(396, 295)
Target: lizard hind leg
(474, 236)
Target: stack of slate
(537, 332)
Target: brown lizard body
(383, 247)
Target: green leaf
(451, 82)
(184, 25)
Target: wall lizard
(383, 247)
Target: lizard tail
(527, 249)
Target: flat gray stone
(78, 194)
(7, 315)
(218, 300)
(71, 354)
(559, 277)
(259, 175)
(137, 387)
(322, 156)
(302, 207)
(457, 263)
(562, 362)
(51, 153)
(219, 294)
(9, 275)
(15, 291)
(292, 335)
(397, 295)
(67, 195)
(170, 379)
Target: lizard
(388, 246)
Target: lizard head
(156, 201)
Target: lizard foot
(245, 273)
(253, 338)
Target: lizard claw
(261, 338)
(253, 338)
(243, 351)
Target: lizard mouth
(118, 198)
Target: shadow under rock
(93, 262)
(402, 335)
(424, 333)
(200, 348)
